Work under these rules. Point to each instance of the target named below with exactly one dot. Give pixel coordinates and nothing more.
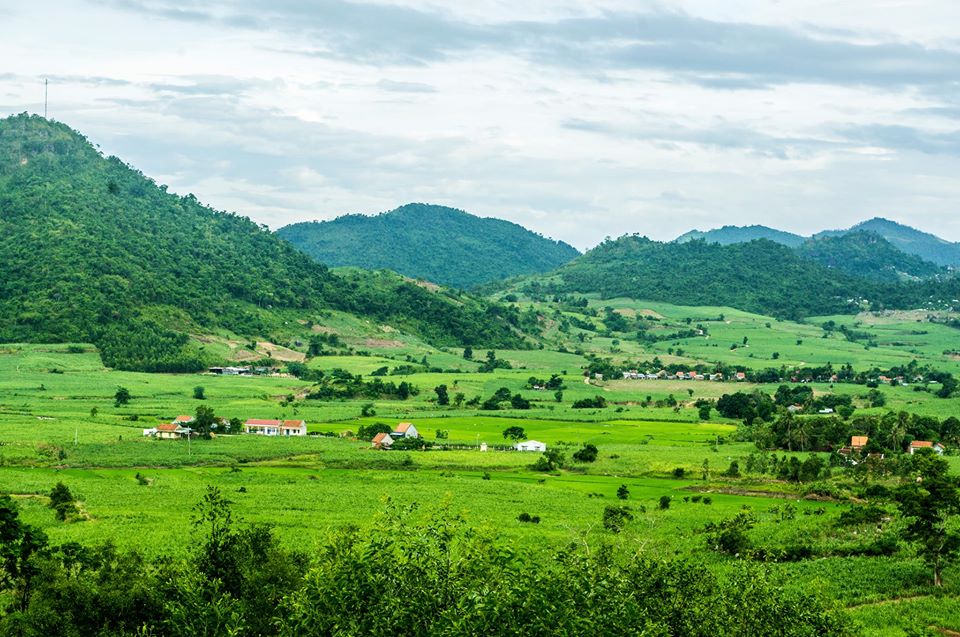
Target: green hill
(760, 276)
(91, 250)
(728, 235)
(907, 239)
(866, 254)
(433, 243)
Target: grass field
(58, 422)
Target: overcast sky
(576, 119)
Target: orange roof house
(405, 430)
(859, 442)
(382, 441)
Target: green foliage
(121, 397)
(134, 269)
(928, 502)
(623, 492)
(367, 432)
(615, 518)
(866, 254)
(62, 502)
(428, 242)
(587, 453)
(550, 460)
(199, 393)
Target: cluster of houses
(180, 428)
(664, 375)
(245, 370)
(859, 443)
(385, 440)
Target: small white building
(405, 430)
(530, 445)
(382, 441)
(275, 427)
(483, 446)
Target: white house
(405, 430)
(530, 445)
(926, 444)
(275, 427)
(382, 441)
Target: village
(180, 428)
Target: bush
(623, 492)
(587, 454)
(679, 472)
(615, 518)
(62, 502)
(664, 502)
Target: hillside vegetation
(867, 254)
(728, 235)
(94, 251)
(907, 239)
(434, 243)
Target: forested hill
(435, 243)
(91, 250)
(728, 235)
(867, 254)
(760, 276)
(907, 239)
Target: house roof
(919, 444)
(403, 427)
(168, 427)
(859, 441)
(380, 437)
(294, 423)
(183, 419)
(257, 422)
(530, 442)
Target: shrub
(615, 518)
(664, 502)
(623, 492)
(587, 454)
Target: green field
(58, 422)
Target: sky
(579, 120)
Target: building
(275, 427)
(382, 441)
(926, 444)
(857, 443)
(530, 445)
(183, 420)
(405, 430)
(172, 431)
(293, 428)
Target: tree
(121, 397)
(367, 432)
(468, 353)
(558, 396)
(368, 410)
(623, 492)
(550, 460)
(588, 453)
(62, 501)
(615, 518)
(928, 503)
(204, 421)
(443, 397)
(519, 402)
(514, 433)
(198, 393)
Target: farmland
(59, 423)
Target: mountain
(434, 243)
(907, 239)
(91, 250)
(759, 276)
(728, 235)
(867, 254)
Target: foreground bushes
(408, 574)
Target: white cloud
(579, 120)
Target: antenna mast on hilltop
(45, 83)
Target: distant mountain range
(909, 240)
(91, 250)
(435, 243)
(827, 275)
